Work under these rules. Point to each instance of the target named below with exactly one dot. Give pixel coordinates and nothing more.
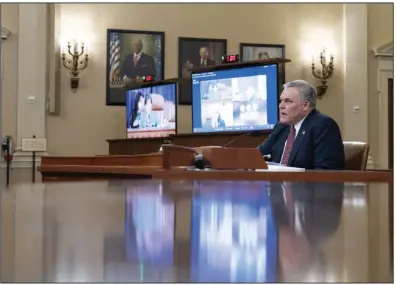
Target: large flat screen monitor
(151, 111)
(233, 238)
(235, 99)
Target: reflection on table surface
(195, 231)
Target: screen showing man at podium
(238, 99)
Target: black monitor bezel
(140, 85)
(247, 64)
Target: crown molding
(385, 50)
(5, 33)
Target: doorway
(390, 123)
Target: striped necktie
(289, 145)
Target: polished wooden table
(104, 172)
(195, 230)
(177, 162)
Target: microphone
(267, 157)
(199, 162)
(252, 134)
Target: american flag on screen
(115, 54)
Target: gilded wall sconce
(323, 74)
(74, 64)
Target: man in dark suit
(204, 59)
(304, 137)
(137, 64)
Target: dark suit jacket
(144, 67)
(318, 144)
(209, 62)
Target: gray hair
(307, 91)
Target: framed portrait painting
(263, 51)
(131, 55)
(197, 52)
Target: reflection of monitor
(233, 237)
(235, 99)
(151, 111)
(149, 216)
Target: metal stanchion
(7, 155)
(34, 165)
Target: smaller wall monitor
(151, 110)
(233, 99)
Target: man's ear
(306, 105)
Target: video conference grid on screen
(240, 99)
(151, 111)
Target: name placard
(34, 144)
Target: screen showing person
(239, 99)
(149, 215)
(151, 111)
(234, 238)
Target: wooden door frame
(390, 123)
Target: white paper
(273, 167)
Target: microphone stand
(233, 140)
(252, 134)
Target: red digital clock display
(230, 58)
(148, 78)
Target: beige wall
(380, 24)
(380, 31)
(85, 122)
(9, 19)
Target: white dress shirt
(137, 55)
